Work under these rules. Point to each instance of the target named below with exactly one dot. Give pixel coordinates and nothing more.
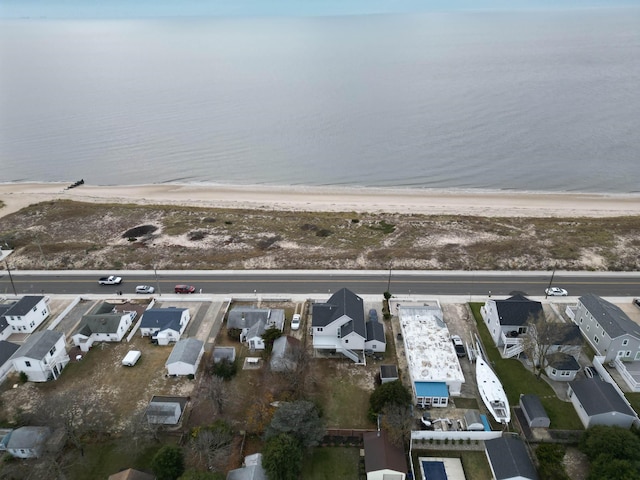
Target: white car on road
(145, 289)
(110, 280)
(556, 292)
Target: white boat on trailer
(492, 392)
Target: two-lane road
(314, 282)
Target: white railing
(631, 382)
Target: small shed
(388, 373)
(165, 410)
(473, 421)
(534, 412)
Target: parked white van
(131, 358)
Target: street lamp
(546, 294)
(155, 272)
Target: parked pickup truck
(110, 280)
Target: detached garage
(534, 412)
(185, 357)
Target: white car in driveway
(295, 322)
(556, 292)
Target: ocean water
(524, 101)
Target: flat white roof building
(433, 364)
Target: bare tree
(295, 368)
(398, 421)
(542, 335)
(212, 445)
(218, 392)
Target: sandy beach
(490, 204)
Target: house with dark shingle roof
(338, 325)
(102, 324)
(164, 325)
(382, 459)
(27, 314)
(254, 322)
(509, 460)
(5, 328)
(376, 340)
(7, 349)
(599, 403)
(42, 356)
(509, 318)
(561, 367)
(607, 328)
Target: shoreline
(19, 195)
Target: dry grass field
(71, 235)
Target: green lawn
(331, 463)
(516, 380)
(634, 400)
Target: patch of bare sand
(420, 201)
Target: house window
(319, 329)
(627, 354)
(625, 342)
(35, 309)
(522, 330)
(580, 319)
(637, 356)
(53, 350)
(588, 327)
(553, 371)
(619, 354)
(565, 374)
(596, 339)
(27, 363)
(346, 341)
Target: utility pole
(389, 281)
(155, 272)
(6, 263)
(550, 282)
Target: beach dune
(299, 198)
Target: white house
(185, 357)
(26, 442)
(382, 459)
(165, 325)
(5, 328)
(509, 460)
(598, 403)
(507, 321)
(250, 470)
(102, 324)
(27, 314)
(562, 367)
(42, 356)
(338, 325)
(254, 322)
(7, 350)
(285, 354)
(434, 366)
(608, 329)
(165, 410)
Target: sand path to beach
(490, 204)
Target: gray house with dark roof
(5, 328)
(102, 324)
(338, 325)
(254, 322)
(27, 314)
(164, 325)
(509, 460)
(376, 340)
(507, 319)
(7, 349)
(561, 367)
(608, 329)
(598, 403)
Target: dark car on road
(185, 289)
